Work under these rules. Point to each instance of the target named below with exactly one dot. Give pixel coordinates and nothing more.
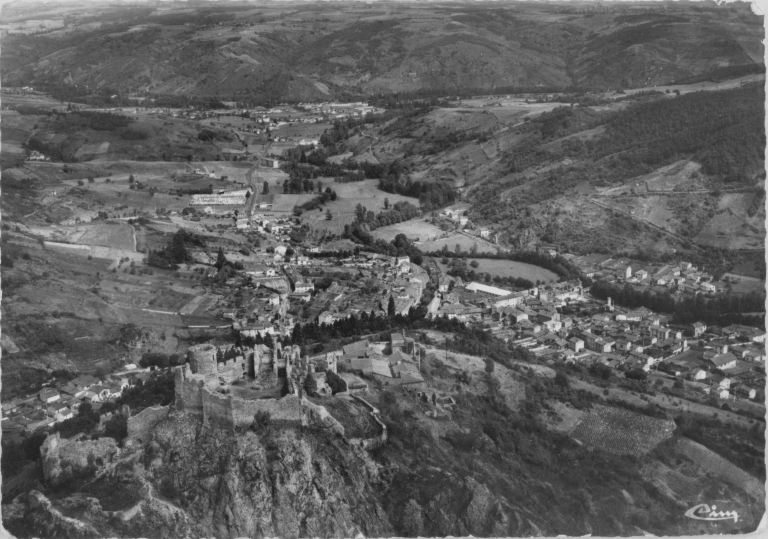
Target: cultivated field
(722, 468)
(621, 431)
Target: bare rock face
(41, 517)
(278, 482)
(8, 345)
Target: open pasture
(318, 222)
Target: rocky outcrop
(64, 459)
(35, 514)
(284, 482)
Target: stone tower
(202, 359)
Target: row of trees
(722, 310)
(431, 195)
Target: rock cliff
(193, 480)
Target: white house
(304, 287)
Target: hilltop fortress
(228, 393)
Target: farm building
(269, 162)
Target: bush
(261, 421)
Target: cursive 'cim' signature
(705, 512)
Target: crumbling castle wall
(286, 411)
(375, 441)
(317, 416)
(189, 390)
(141, 425)
(217, 409)
(232, 369)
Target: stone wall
(286, 411)
(317, 416)
(232, 369)
(141, 425)
(217, 409)
(189, 390)
(376, 441)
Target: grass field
(116, 236)
(454, 239)
(415, 228)
(745, 284)
(318, 222)
(511, 268)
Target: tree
(266, 187)
(310, 384)
(391, 307)
(386, 203)
(490, 365)
(117, 428)
(328, 215)
(474, 263)
(221, 260)
(473, 249)
(261, 420)
(131, 180)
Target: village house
(48, 395)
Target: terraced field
(719, 466)
(622, 432)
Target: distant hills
(297, 51)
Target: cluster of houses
(34, 155)
(683, 277)
(378, 278)
(558, 323)
(53, 405)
